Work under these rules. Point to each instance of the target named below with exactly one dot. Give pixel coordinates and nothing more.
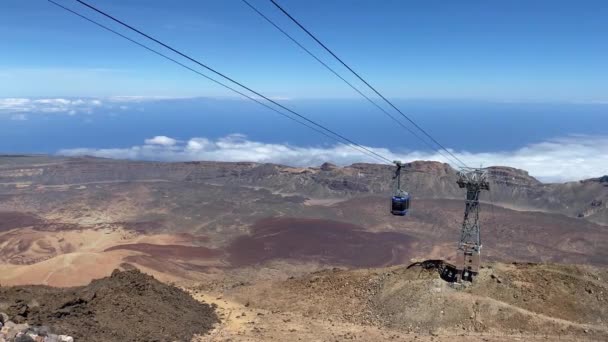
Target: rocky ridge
(513, 188)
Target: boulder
(10, 330)
(25, 338)
(51, 338)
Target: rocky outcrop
(510, 176)
(23, 332)
(603, 179)
(328, 167)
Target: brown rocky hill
(126, 306)
(508, 302)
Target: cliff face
(512, 177)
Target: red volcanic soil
(170, 251)
(11, 220)
(325, 241)
(192, 238)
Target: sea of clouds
(563, 159)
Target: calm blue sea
(474, 126)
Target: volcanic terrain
(315, 248)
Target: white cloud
(48, 105)
(8, 103)
(563, 159)
(197, 144)
(73, 106)
(161, 140)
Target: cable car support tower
(469, 246)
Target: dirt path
(534, 315)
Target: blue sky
(516, 83)
(499, 50)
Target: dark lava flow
(170, 251)
(325, 241)
(296, 239)
(11, 220)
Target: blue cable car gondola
(400, 202)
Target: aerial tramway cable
(234, 81)
(366, 83)
(351, 144)
(330, 69)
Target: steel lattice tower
(469, 246)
